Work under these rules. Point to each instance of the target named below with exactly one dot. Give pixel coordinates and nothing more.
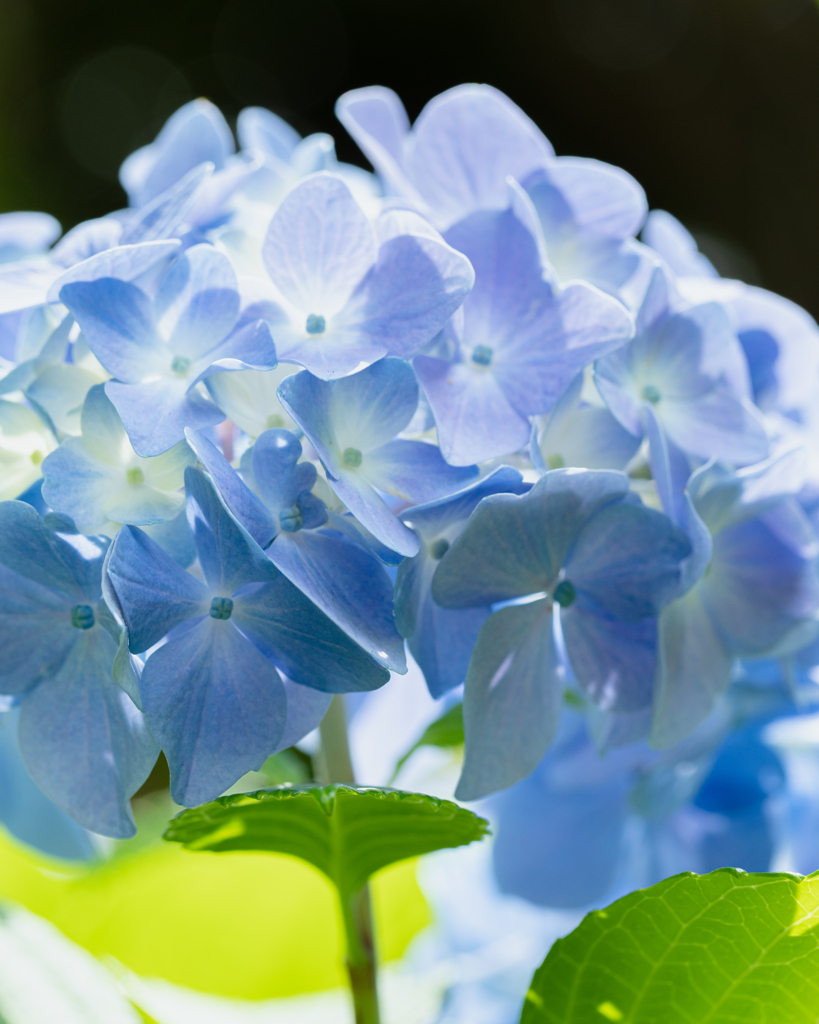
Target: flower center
(37, 457)
(565, 594)
(651, 394)
(482, 355)
(180, 365)
(274, 421)
(82, 616)
(291, 519)
(438, 548)
(315, 324)
(555, 462)
(221, 608)
(352, 457)
(135, 476)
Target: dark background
(712, 104)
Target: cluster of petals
(283, 423)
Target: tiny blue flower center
(651, 394)
(352, 457)
(565, 594)
(221, 608)
(82, 616)
(438, 548)
(482, 355)
(291, 519)
(180, 365)
(315, 324)
(555, 462)
(135, 476)
(37, 457)
(274, 421)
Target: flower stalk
(336, 766)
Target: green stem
(337, 766)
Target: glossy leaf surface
(716, 948)
(347, 833)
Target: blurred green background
(712, 104)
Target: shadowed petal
(217, 706)
(84, 742)
(512, 699)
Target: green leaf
(347, 832)
(711, 949)
(446, 731)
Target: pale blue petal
(671, 471)
(36, 634)
(669, 466)
(24, 232)
(250, 347)
(677, 247)
(560, 832)
(306, 707)
(84, 742)
(510, 289)
(261, 130)
(154, 593)
(125, 263)
(760, 586)
(235, 493)
(693, 669)
(539, 363)
(779, 339)
(348, 526)
(440, 640)
(25, 284)
(216, 705)
(718, 425)
(655, 306)
(60, 390)
(414, 471)
(194, 134)
(431, 518)
(87, 239)
(373, 512)
(67, 563)
(229, 557)
(303, 642)
(514, 546)
(174, 537)
(319, 245)
(691, 361)
(25, 810)
(336, 353)
(376, 119)
(197, 304)
(348, 583)
(156, 413)
(465, 144)
(415, 286)
(163, 215)
(117, 321)
(512, 699)
(600, 198)
(78, 485)
(626, 560)
(613, 661)
(474, 418)
(582, 435)
(363, 411)
(279, 476)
